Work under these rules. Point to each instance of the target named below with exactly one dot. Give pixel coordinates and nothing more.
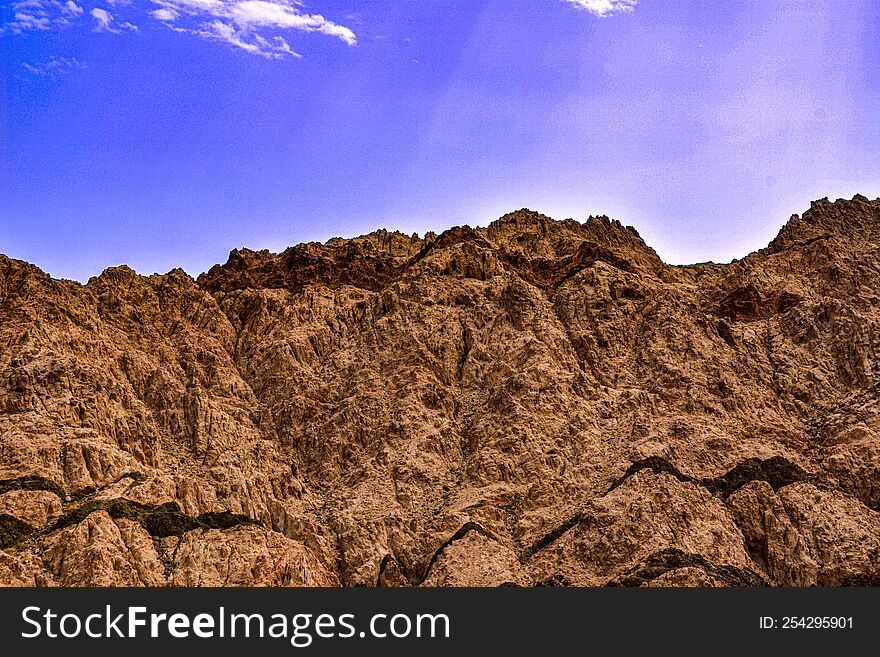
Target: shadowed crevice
(160, 521)
(554, 581)
(551, 274)
(391, 574)
(38, 483)
(552, 536)
(31, 482)
(449, 238)
(776, 471)
(671, 559)
(387, 559)
(861, 580)
(13, 530)
(656, 464)
(362, 267)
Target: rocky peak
(529, 241)
(858, 218)
(532, 235)
(394, 243)
(453, 236)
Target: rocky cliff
(533, 403)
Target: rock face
(531, 403)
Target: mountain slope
(534, 402)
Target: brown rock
(101, 551)
(773, 541)
(244, 557)
(534, 402)
(35, 507)
(476, 559)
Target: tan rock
(475, 559)
(335, 413)
(646, 515)
(245, 557)
(35, 507)
(101, 551)
(840, 533)
(17, 572)
(773, 541)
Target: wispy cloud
(605, 7)
(164, 14)
(55, 66)
(255, 26)
(254, 43)
(41, 15)
(106, 22)
(259, 27)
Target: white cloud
(104, 19)
(259, 27)
(605, 7)
(273, 48)
(252, 25)
(56, 65)
(272, 13)
(195, 5)
(40, 15)
(106, 22)
(164, 14)
(223, 32)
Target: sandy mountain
(534, 402)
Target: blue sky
(164, 133)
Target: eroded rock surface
(531, 403)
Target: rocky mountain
(532, 403)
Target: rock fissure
(672, 559)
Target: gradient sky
(163, 133)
